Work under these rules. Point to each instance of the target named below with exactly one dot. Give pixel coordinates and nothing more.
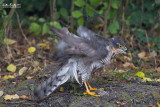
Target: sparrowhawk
(81, 55)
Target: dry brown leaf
(29, 77)
(36, 63)
(141, 54)
(9, 41)
(128, 64)
(158, 69)
(127, 58)
(25, 97)
(22, 70)
(121, 71)
(153, 54)
(9, 97)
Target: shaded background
(136, 22)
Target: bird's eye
(120, 46)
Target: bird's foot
(91, 93)
(92, 89)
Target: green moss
(75, 102)
(126, 96)
(139, 95)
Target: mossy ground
(121, 92)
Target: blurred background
(27, 45)
(137, 22)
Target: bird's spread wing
(72, 44)
(88, 34)
(85, 33)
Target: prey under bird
(81, 55)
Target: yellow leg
(90, 87)
(88, 91)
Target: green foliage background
(133, 17)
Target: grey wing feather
(72, 44)
(85, 33)
(88, 34)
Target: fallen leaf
(145, 79)
(121, 71)
(141, 54)
(61, 89)
(9, 41)
(1, 93)
(36, 69)
(22, 70)
(158, 104)
(29, 77)
(9, 97)
(153, 54)
(127, 58)
(140, 74)
(36, 63)
(25, 97)
(157, 80)
(31, 50)
(42, 44)
(8, 77)
(11, 68)
(128, 64)
(158, 69)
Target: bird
(80, 56)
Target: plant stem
(71, 18)
(52, 8)
(105, 19)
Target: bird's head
(118, 46)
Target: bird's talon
(92, 89)
(91, 93)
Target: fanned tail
(60, 77)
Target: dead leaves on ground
(9, 41)
(22, 70)
(15, 96)
(128, 64)
(145, 56)
(11, 68)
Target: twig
(124, 8)
(11, 12)
(52, 8)
(155, 62)
(19, 23)
(105, 18)
(147, 42)
(71, 18)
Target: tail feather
(48, 86)
(61, 76)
